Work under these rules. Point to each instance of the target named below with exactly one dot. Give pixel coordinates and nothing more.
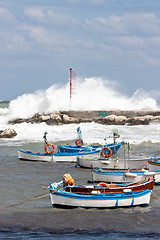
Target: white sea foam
(91, 133)
(90, 94)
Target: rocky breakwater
(114, 117)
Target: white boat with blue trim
(80, 147)
(112, 163)
(50, 155)
(65, 199)
(124, 176)
(54, 157)
(64, 156)
(71, 149)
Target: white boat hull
(34, 157)
(67, 200)
(56, 157)
(111, 163)
(124, 177)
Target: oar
(29, 200)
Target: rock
(67, 119)
(8, 133)
(52, 121)
(100, 121)
(55, 114)
(155, 119)
(120, 120)
(18, 120)
(44, 117)
(58, 119)
(117, 120)
(110, 118)
(138, 121)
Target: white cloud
(139, 24)
(34, 13)
(131, 41)
(50, 17)
(6, 17)
(40, 34)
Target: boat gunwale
(101, 196)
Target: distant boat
(124, 176)
(154, 163)
(65, 199)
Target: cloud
(50, 17)
(54, 30)
(6, 17)
(133, 24)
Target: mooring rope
(37, 197)
(155, 196)
(29, 200)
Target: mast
(72, 84)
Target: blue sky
(117, 40)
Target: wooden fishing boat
(99, 196)
(71, 148)
(114, 147)
(123, 176)
(103, 187)
(53, 156)
(112, 163)
(65, 199)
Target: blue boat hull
(72, 149)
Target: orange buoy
(68, 179)
(51, 145)
(79, 142)
(104, 152)
(103, 184)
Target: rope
(29, 200)
(155, 196)
(32, 199)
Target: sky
(116, 40)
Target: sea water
(21, 181)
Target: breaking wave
(90, 94)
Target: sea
(25, 209)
